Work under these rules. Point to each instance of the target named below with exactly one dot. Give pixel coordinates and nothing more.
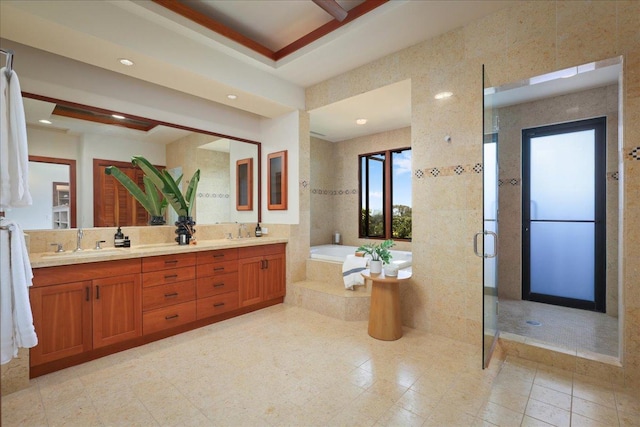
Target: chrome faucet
(240, 227)
(79, 241)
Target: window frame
(387, 188)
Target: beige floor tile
(528, 421)
(551, 397)
(595, 393)
(580, 421)
(548, 413)
(628, 419)
(504, 396)
(398, 416)
(449, 415)
(418, 403)
(600, 413)
(501, 416)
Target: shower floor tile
(564, 327)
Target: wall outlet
(265, 230)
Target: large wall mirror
(554, 203)
(62, 131)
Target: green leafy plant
(378, 251)
(161, 180)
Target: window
(385, 194)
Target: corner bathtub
(338, 253)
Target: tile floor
(561, 326)
(288, 366)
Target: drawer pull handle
(218, 285)
(171, 295)
(173, 316)
(171, 276)
(220, 304)
(173, 261)
(218, 269)
(97, 292)
(88, 294)
(218, 256)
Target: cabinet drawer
(164, 277)
(209, 257)
(219, 284)
(217, 268)
(259, 250)
(164, 295)
(165, 262)
(217, 304)
(168, 317)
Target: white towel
(15, 278)
(14, 154)
(351, 269)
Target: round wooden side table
(385, 322)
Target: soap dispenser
(118, 238)
(258, 230)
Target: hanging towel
(15, 278)
(351, 269)
(14, 154)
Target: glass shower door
(489, 235)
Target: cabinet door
(274, 277)
(62, 318)
(117, 309)
(250, 280)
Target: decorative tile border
(514, 182)
(326, 192)
(613, 176)
(635, 154)
(448, 170)
(213, 195)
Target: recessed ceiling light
(125, 61)
(44, 121)
(232, 96)
(118, 116)
(443, 95)
(361, 121)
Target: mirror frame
(244, 184)
(155, 123)
(274, 187)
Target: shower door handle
(495, 241)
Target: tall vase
(185, 230)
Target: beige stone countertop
(52, 259)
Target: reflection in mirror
(52, 183)
(564, 97)
(244, 184)
(277, 185)
(85, 133)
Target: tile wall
(528, 39)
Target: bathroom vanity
(86, 306)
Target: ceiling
(205, 63)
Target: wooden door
(250, 273)
(117, 309)
(113, 204)
(274, 276)
(62, 319)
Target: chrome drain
(533, 323)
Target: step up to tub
(326, 298)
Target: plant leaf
(190, 195)
(133, 188)
(172, 193)
(152, 194)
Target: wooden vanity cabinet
(169, 291)
(83, 307)
(217, 284)
(261, 273)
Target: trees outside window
(385, 194)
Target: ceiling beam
(332, 8)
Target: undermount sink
(85, 253)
